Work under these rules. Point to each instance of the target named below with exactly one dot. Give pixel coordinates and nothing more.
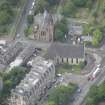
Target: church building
(43, 28)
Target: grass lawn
(66, 68)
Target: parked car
(79, 90)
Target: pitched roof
(65, 50)
(43, 20)
(75, 30)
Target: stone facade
(43, 28)
(59, 60)
(66, 53)
(35, 84)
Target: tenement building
(35, 84)
(66, 53)
(43, 28)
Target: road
(23, 20)
(79, 99)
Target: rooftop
(65, 50)
(43, 20)
(75, 30)
(32, 77)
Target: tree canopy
(97, 37)
(60, 30)
(96, 94)
(61, 95)
(10, 80)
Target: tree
(10, 80)
(97, 37)
(60, 30)
(53, 2)
(95, 42)
(96, 94)
(41, 5)
(5, 18)
(61, 95)
(90, 101)
(79, 2)
(51, 103)
(59, 35)
(13, 2)
(6, 13)
(68, 8)
(30, 19)
(97, 34)
(87, 29)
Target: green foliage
(97, 37)
(68, 8)
(53, 2)
(79, 2)
(41, 5)
(5, 13)
(60, 30)
(11, 79)
(30, 19)
(87, 29)
(13, 2)
(61, 95)
(67, 68)
(96, 94)
(51, 103)
(8, 10)
(28, 30)
(82, 64)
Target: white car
(59, 75)
(18, 35)
(98, 66)
(30, 12)
(33, 3)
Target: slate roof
(43, 20)
(75, 30)
(65, 50)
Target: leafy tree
(98, 34)
(96, 94)
(59, 35)
(10, 80)
(13, 2)
(103, 6)
(53, 2)
(68, 8)
(79, 2)
(87, 29)
(30, 19)
(51, 103)
(97, 37)
(28, 31)
(95, 42)
(6, 13)
(90, 101)
(4, 17)
(41, 5)
(60, 30)
(61, 95)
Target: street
(23, 22)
